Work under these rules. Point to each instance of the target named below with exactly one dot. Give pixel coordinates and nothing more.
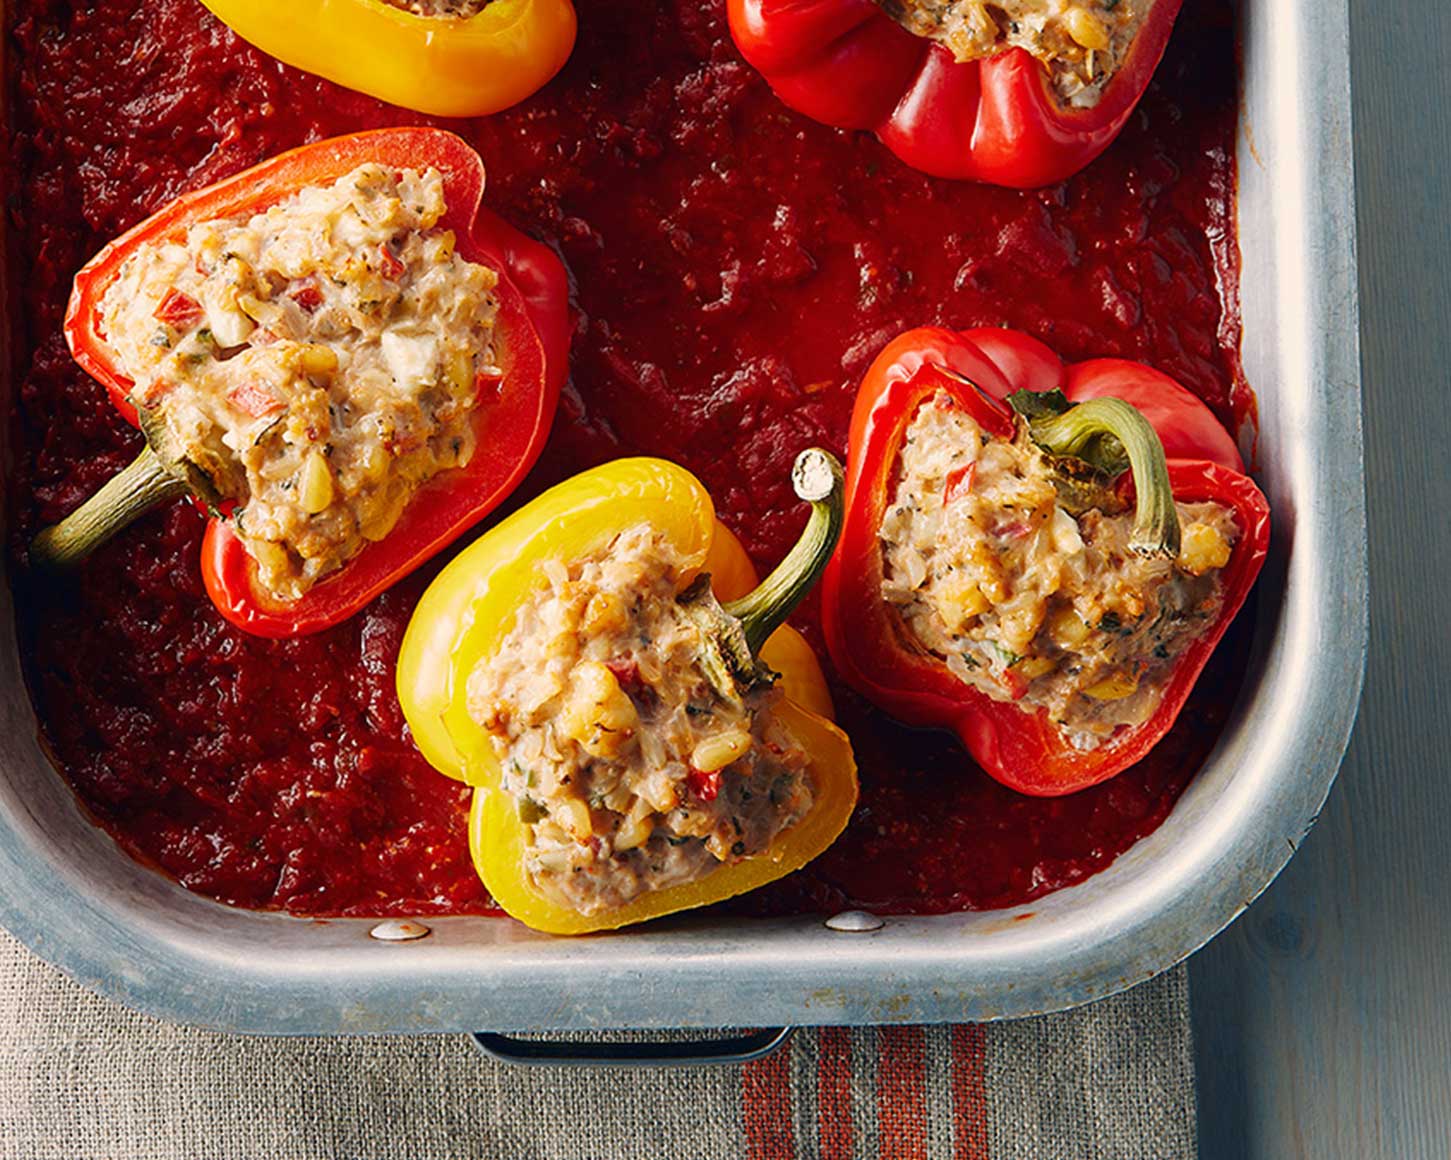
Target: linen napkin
(82, 1078)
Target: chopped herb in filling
(631, 769)
(315, 364)
(1027, 603)
(1081, 43)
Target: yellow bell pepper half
(470, 608)
(448, 66)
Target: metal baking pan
(69, 893)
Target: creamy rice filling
(630, 769)
(1028, 603)
(455, 9)
(318, 362)
(1081, 43)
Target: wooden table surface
(1323, 1017)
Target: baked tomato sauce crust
(737, 267)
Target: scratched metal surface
(1322, 1018)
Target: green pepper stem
(818, 479)
(144, 484)
(1080, 432)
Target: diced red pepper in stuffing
(705, 786)
(389, 265)
(179, 310)
(253, 400)
(308, 297)
(959, 483)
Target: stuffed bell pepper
(1023, 564)
(451, 58)
(1019, 93)
(637, 747)
(338, 353)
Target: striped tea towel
(82, 1078)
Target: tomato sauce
(735, 267)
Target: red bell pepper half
(513, 415)
(1019, 747)
(849, 64)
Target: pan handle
(621, 1053)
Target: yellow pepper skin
(471, 606)
(496, 839)
(445, 66)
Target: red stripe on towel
(766, 1107)
(969, 1093)
(833, 1093)
(901, 1089)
